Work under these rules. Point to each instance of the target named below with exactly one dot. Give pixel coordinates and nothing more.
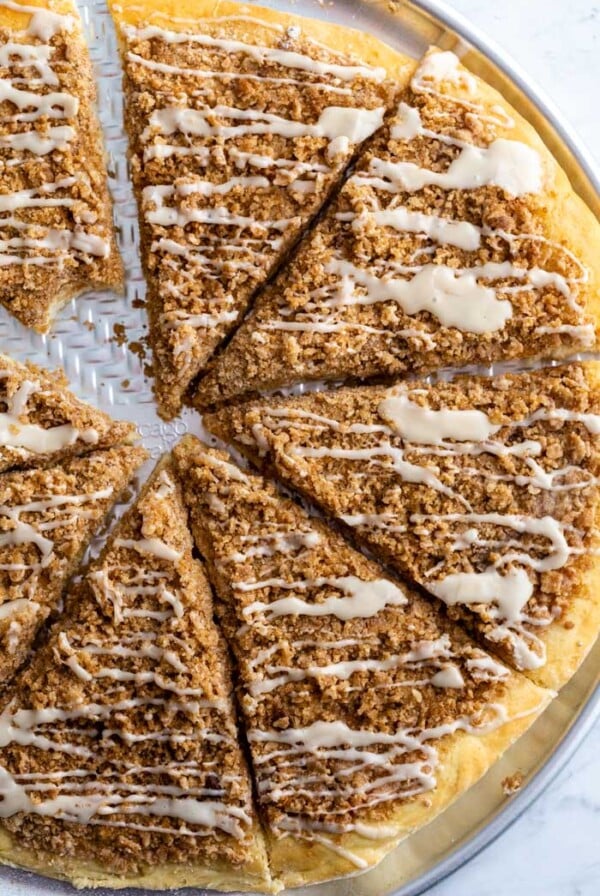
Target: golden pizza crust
(173, 14)
(84, 874)
(568, 219)
(464, 758)
(568, 645)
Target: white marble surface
(554, 848)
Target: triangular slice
(57, 238)
(484, 490)
(41, 421)
(366, 711)
(457, 240)
(125, 768)
(240, 126)
(47, 518)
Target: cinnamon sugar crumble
(378, 669)
(513, 783)
(56, 219)
(230, 162)
(517, 508)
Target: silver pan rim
(589, 714)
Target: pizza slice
(57, 238)
(482, 489)
(457, 240)
(241, 125)
(366, 711)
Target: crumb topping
(347, 679)
(437, 251)
(128, 753)
(484, 490)
(56, 235)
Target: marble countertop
(553, 849)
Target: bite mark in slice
(57, 238)
(42, 422)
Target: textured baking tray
(99, 340)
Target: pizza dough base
(90, 874)
(463, 759)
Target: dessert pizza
(269, 679)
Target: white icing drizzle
(113, 662)
(67, 509)
(508, 164)
(36, 99)
(438, 68)
(423, 425)
(509, 591)
(154, 547)
(31, 438)
(456, 299)
(205, 132)
(362, 599)
(440, 230)
(334, 122)
(429, 660)
(408, 443)
(393, 459)
(275, 543)
(207, 74)
(261, 54)
(47, 105)
(474, 298)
